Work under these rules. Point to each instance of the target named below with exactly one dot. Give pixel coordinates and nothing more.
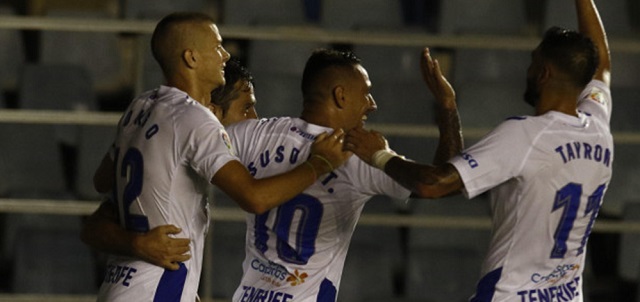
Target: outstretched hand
(365, 143)
(159, 248)
(437, 83)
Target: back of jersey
(165, 151)
(547, 176)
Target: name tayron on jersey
(580, 150)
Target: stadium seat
(93, 144)
(614, 14)
(53, 260)
(98, 52)
(490, 85)
(482, 17)
(264, 12)
(33, 162)
(625, 178)
(277, 68)
(629, 263)
(12, 53)
(350, 15)
(397, 84)
(375, 259)
(156, 9)
(444, 264)
(228, 250)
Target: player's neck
(318, 116)
(560, 100)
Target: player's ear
(338, 96)
(545, 73)
(189, 57)
(217, 110)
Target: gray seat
(444, 264)
(228, 241)
(375, 257)
(264, 12)
(397, 84)
(629, 263)
(52, 259)
(482, 17)
(93, 144)
(98, 52)
(12, 53)
(624, 180)
(156, 9)
(277, 67)
(490, 85)
(32, 162)
(615, 16)
(350, 15)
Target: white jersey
(296, 252)
(547, 176)
(167, 148)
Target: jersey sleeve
(208, 146)
(375, 182)
(496, 158)
(595, 99)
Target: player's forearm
(424, 181)
(590, 24)
(107, 236)
(270, 192)
(451, 141)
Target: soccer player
(296, 252)
(302, 244)
(236, 100)
(546, 174)
(168, 146)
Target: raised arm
(424, 180)
(590, 25)
(260, 195)
(447, 116)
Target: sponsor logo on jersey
(119, 274)
(254, 294)
(297, 278)
(559, 273)
(558, 293)
(271, 269)
(302, 133)
(472, 162)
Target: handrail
(304, 33)
(230, 214)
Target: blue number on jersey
(308, 212)
(568, 199)
(132, 170)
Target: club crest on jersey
(227, 141)
(597, 95)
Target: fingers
(169, 229)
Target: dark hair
(164, 27)
(234, 72)
(321, 60)
(572, 52)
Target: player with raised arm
(546, 174)
(168, 146)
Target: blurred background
(69, 67)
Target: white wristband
(381, 157)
